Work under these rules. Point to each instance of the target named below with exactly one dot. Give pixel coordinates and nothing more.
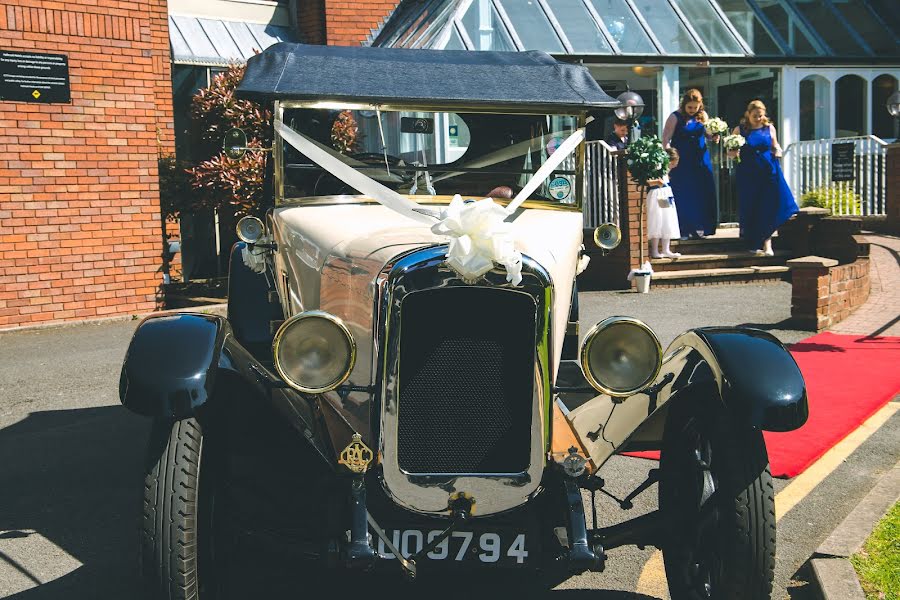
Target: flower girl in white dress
(662, 219)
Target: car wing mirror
(235, 143)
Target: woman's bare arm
(669, 130)
(776, 147)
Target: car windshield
(475, 155)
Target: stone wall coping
(815, 211)
(811, 262)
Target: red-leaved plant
(221, 181)
(344, 133)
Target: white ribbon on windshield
(478, 231)
(368, 186)
(559, 155)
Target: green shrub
(835, 198)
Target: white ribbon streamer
(561, 153)
(355, 179)
(478, 231)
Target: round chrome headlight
(621, 356)
(314, 352)
(250, 229)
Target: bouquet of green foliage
(647, 159)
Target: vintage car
(399, 387)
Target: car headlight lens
(314, 352)
(621, 356)
(250, 229)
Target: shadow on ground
(69, 510)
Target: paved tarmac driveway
(70, 473)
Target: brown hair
(693, 95)
(754, 104)
(673, 154)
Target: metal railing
(601, 198)
(808, 171)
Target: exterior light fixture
(631, 106)
(893, 104)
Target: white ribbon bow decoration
(479, 237)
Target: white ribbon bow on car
(479, 232)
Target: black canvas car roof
(287, 71)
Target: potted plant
(646, 159)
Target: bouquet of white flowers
(716, 126)
(734, 142)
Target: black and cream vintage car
(399, 386)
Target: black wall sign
(29, 77)
(842, 161)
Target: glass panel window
(455, 42)
(850, 113)
(883, 124)
(485, 29)
(829, 27)
(667, 27)
(709, 26)
(750, 28)
(876, 35)
(532, 25)
(814, 112)
(887, 12)
(623, 27)
(786, 25)
(579, 27)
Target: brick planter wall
(79, 191)
(893, 189)
(825, 293)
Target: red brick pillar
(893, 188)
(350, 23)
(811, 289)
(635, 222)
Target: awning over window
(214, 42)
(689, 28)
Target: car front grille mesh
(466, 381)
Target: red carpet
(848, 378)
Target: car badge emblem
(356, 456)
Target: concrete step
(718, 260)
(710, 245)
(748, 274)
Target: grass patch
(878, 563)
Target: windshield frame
(278, 144)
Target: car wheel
(717, 500)
(177, 512)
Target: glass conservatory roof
(690, 28)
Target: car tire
(175, 509)
(717, 500)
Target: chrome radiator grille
(466, 377)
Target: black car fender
(752, 373)
(171, 364)
(746, 372)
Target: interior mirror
(235, 144)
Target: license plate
(489, 547)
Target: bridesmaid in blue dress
(766, 201)
(692, 181)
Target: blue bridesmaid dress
(765, 199)
(692, 180)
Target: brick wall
(824, 293)
(79, 200)
(893, 189)
(349, 22)
(311, 21)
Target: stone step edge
(725, 272)
(687, 258)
